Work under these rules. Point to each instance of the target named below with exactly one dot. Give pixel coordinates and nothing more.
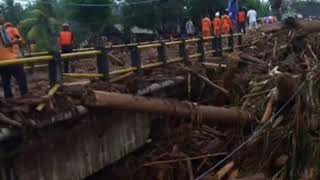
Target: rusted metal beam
(117, 101)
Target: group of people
(223, 24)
(10, 42)
(218, 26)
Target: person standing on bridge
(226, 24)
(7, 72)
(14, 34)
(66, 43)
(190, 28)
(252, 15)
(242, 18)
(206, 26)
(217, 25)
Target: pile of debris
(276, 78)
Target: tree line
(41, 20)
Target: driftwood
(312, 53)
(6, 120)
(117, 101)
(115, 60)
(213, 65)
(184, 159)
(267, 28)
(207, 81)
(157, 86)
(234, 174)
(259, 176)
(190, 171)
(51, 92)
(122, 77)
(250, 58)
(269, 109)
(307, 26)
(224, 170)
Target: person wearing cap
(226, 24)
(217, 24)
(9, 71)
(14, 34)
(66, 43)
(206, 26)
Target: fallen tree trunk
(218, 115)
(308, 26)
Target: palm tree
(41, 26)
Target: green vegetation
(41, 20)
(307, 8)
(41, 24)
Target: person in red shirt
(242, 20)
(226, 23)
(66, 43)
(206, 26)
(217, 25)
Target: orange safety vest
(66, 38)
(206, 26)
(242, 17)
(216, 26)
(226, 24)
(14, 34)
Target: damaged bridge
(81, 126)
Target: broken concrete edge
(167, 107)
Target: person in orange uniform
(14, 34)
(206, 26)
(242, 20)
(226, 24)
(66, 43)
(7, 72)
(217, 25)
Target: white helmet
(217, 14)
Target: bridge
(55, 140)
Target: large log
(116, 101)
(308, 26)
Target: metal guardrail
(54, 60)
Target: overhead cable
(89, 4)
